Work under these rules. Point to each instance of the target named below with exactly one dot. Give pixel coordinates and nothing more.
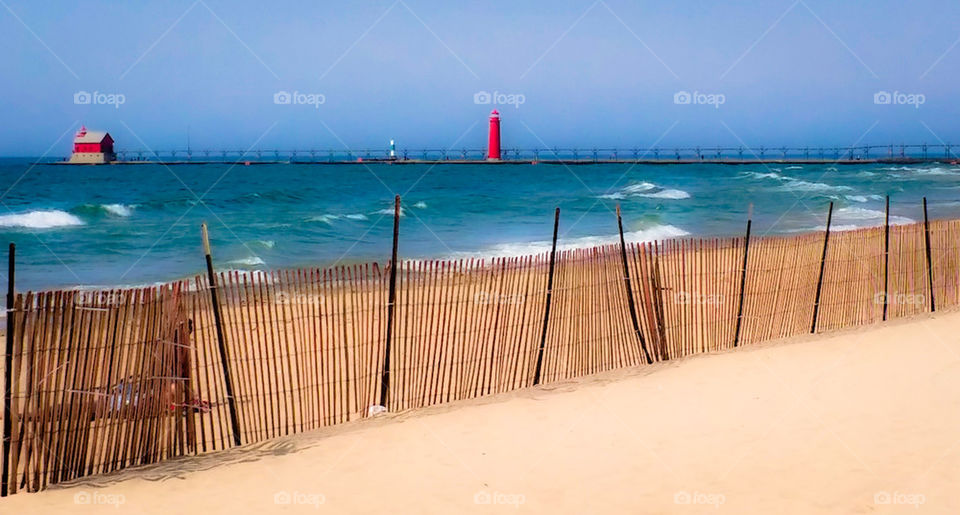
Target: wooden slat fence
(104, 380)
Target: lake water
(140, 224)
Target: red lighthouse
(493, 140)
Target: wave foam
(40, 219)
(646, 189)
(329, 218)
(389, 211)
(850, 218)
(117, 209)
(794, 184)
(655, 233)
(247, 261)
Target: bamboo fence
(98, 381)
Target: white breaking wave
(41, 219)
(420, 205)
(265, 243)
(655, 233)
(118, 209)
(647, 189)
(247, 261)
(793, 184)
(935, 171)
(389, 211)
(850, 218)
(328, 218)
(761, 175)
(862, 198)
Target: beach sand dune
(864, 421)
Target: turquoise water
(140, 224)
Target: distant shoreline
(564, 162)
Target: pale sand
(830, 424)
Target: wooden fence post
(743, 277)
(886, 257)
(221, 345)
(8, 374)
(626, 280)
(823, 260)
(926, 233)
(658, 306)
(391, 306)
(546, 312)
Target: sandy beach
(862, 421)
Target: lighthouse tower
(493, 140)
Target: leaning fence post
(823, 260)
(391, 305)
(8, 372)
(546, 312)
(886, 257)
(926, 233)
(234, 421)
(743, 276)
(626, 280)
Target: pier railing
(894, 153)
(97, 381)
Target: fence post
(743, 277)
(926, 233)
(658, 306)
(626, 279)
(391, 305)
(221, 345)
(823, 260)
(8, 373)
(886, 257)
(546, 312)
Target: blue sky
(589, 73)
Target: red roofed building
(92, 147)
